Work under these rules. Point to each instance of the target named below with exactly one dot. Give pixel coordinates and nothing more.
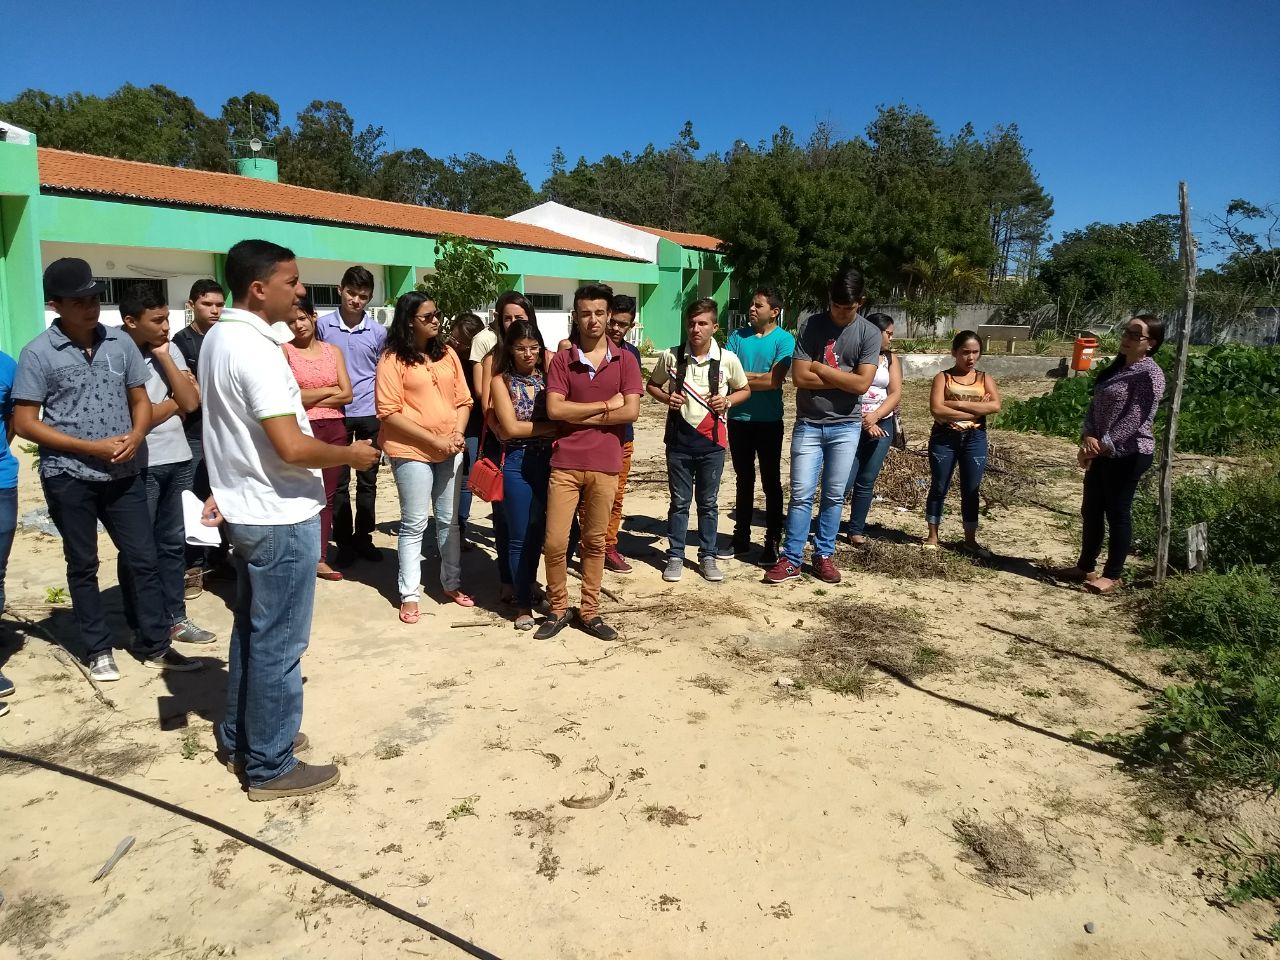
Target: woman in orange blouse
(423, 403)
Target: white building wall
(587, 226)
(180, 268)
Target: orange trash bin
(1082, 357)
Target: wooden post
(1188, 250)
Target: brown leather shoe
(304, 778)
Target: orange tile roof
(695, 241)
(62, 170)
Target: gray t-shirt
(167, 442)
(845, 348)
(83, 398)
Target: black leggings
(1109, 486)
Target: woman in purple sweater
(1116, 449)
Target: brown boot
(235, 762)
(304, 778)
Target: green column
(220, 274)
(21, 280)
(720, 294)
(398, 280)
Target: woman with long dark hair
(879, 424)
(322, 377)
(961, 399)
(518, 403)
(424, 404)
(1117, 446)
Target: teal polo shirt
(760, 354)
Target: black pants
(750, 440)
(204, 558)
(348, 534)
(76, 506)
(1109, 486)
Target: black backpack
(677, 386)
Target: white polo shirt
(245, 379)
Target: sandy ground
(745, 819)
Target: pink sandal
(460, 598)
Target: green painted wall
(21, 283)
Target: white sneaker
(103, 668)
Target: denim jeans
(947, 448)
(1109, 486)
(464, 498)
(164, 484)
(351, 531)
(690, 476)
(426, 486)
(866, 467)
(823, 451)
(525, 473)
(275, 591)
(76, 506)
(8, 526)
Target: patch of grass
(190, 745)
(86, 748)
(1001, 853)
(388, 751)
(717, 685)
(668, 816)
(548, 863)
(781, 911)
(539, 823)
(26, 924)
(666, 902)
(497, 742)
(591, 870)
(465, 807)
(1259, 881)
(907, 561)
(56, 595)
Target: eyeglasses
(1134, 335)
(428, 317)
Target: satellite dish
(255, 145)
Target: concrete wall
(924, 366)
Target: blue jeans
(823, 451)
(866, 467)
(947, 448)
(8, 526)
(424, 486)
(275, 591)
(76, 506)
(691, 475)
(524, 507)
(164, 484)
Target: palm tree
(939, 280)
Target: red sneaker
(615, 561)
(825, 570)
(782, 571)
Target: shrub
(1225, 726)
(1240, 510)
(1230, 402)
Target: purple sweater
(1123, 409)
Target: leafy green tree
(253, 115)
(468, 275)
(494, 188)
(939, 281)
(1248, 237)
(412, 176)
(325, 151)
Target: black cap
(71, 277)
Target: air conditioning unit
(383, 315)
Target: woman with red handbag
(423, 403)
(518, 402)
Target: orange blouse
(428, 393)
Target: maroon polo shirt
(585, 446)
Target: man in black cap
(91, 383)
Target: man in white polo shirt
(264, 471)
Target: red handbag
(485, 479)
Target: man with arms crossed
(835, 361)
(755, 427)
(352, 329)
(264, 468)
(593, 389)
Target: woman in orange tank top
(961, 400)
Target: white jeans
(421, 485)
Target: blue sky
(1118, 101)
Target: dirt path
(746, 818)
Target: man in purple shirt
(352, 329)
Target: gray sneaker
(711, 570)
(103, 668)
(674, 571)
(184, 631)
